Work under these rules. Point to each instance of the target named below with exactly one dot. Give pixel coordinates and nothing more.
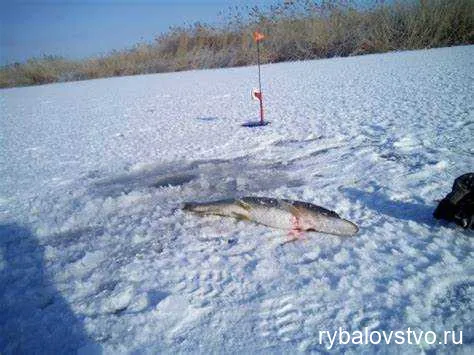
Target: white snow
(96, 255)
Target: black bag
(458, 205)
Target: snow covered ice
(97, 256)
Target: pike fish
(278, 213)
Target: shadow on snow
(35, 318)
(381, 203)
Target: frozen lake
(96, 254)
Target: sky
(83, 28)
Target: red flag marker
(257, 36)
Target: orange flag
(257, 36)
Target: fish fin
(188, 206)
(244, 205)
(290, 208)
(240, 216)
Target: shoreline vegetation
(295, 30)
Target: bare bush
(295, 30)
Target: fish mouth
(336, 226)
(344, 228)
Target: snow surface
(96, 255)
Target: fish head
(320, 221)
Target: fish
(277, 213)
